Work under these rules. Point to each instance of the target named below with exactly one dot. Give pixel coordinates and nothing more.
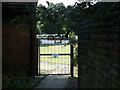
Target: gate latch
(54, 55)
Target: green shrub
(16, 82)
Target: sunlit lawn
(48, 67)
(55, 49)
(60, 60)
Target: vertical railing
(46, 71)
(38, 56)
(71, 66)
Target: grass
(55, 49)
(47, 67)
(60, 60)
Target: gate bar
(71, 60)
(39, 56)
(58, 54)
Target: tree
(51, 18)
(57, 19)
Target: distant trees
(51, 18)
(57, 19)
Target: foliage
(73, 38)
(75, 57)
(19, 81)
(25, 21)
(94, 13)
(16, 82)
(74, 41)
(56, 18)
(51, 18)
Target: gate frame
(71, 59)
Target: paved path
(54, 81)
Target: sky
(65, 2)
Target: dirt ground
(72, 83)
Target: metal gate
(55, 56)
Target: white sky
(65, 2)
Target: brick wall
(15, 50)
(99, 51)
(19, 47)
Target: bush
(16, 82)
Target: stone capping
(19, 0)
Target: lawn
(47, 67)
(55, 49)
(60, 60)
